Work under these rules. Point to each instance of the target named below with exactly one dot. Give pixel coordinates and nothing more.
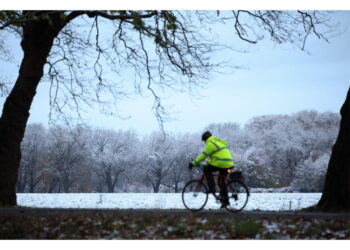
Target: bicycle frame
(204, 180)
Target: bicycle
(195, 193)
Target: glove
(190, 165)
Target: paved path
(167, 212)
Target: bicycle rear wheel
(195, 195)
(238, 195)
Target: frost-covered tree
(256, 168)
(158, 161)
(288, 140)
(268, 141)
(33, 148)
(310, 174)
(184, 149)
(112, 154)
(67, 158)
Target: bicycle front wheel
(238, 195)
(195, 195)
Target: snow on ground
(261, 201)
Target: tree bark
(156, 186)
(176, 188)
(21, 180)
(52, 186)
(38, 36)
(33, 180)
(336, 192)
(108, 179)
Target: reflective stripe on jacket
(218, 153)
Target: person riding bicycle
(220, 159)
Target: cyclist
(220, 159)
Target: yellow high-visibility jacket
(218, 153)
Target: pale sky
(277, 80)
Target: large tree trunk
(38, 36)
(336, 192)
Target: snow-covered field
(262, 201)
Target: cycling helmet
(206, 135)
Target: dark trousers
(208, 170)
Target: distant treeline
(273, 151)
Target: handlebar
(201, 165)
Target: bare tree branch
(168, 49)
